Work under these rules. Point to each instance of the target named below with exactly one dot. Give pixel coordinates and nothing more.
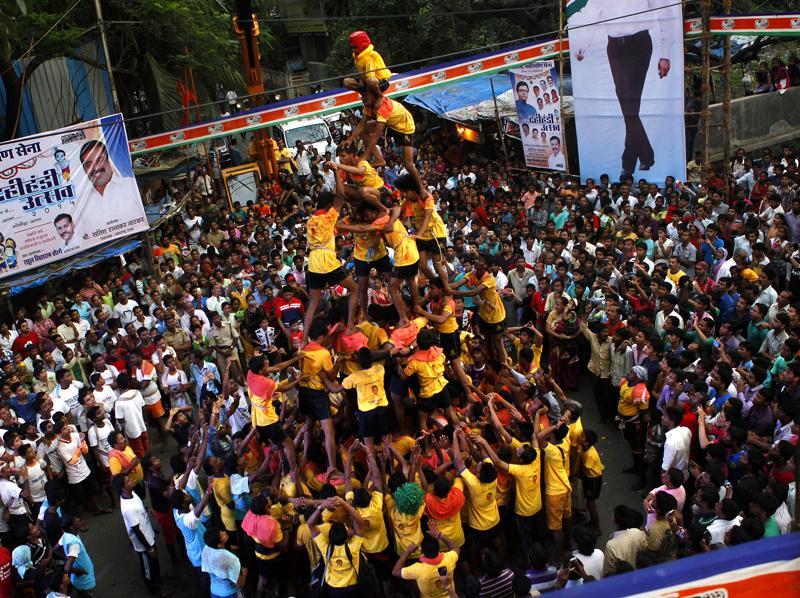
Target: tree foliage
(431, 32)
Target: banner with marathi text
(536, 95)
(65, 191)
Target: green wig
(408, 498)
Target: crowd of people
(363, 380)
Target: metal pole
(705, 112)
(98, 9)
(726, 100)
(497, 121)
(561, 83)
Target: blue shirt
(708, 251)
(198, 375)
(223, 567)
(26, 411)
(84, 309)
(192, 536)
(86, 580)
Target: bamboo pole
(705, 112)
(726, 100)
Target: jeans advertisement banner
(66, 191)
(627, 77)
(538, 104)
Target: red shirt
(23, 339)
(6, 581)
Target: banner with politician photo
(627, 85)
(65, 191)
(536, 95)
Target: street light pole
(101, 26)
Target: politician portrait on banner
(536, 96)
(65, 191)
(627, 80)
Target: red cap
(359, 40)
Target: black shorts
(315, 280)
(406, 272)
(272, 433)
(432, 246)
(592, 487)
(375, 423)
(488, 328)
(401, 139)
(382, 264)
(383, 85)
(314, 403)
(441, 400)
(483, 537)
(270, 568)
(451, 343)
(79, 493)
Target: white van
(313, 132)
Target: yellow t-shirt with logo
(369, 387)
(340, 573)
(314, 359)
(556, 464)
(407, 528)
(491, 308)
(527, 481)
(452, 528)
(368, 247)
(405, 249)
(481, 501)
(375, 537)
(436, 228)
(430, 374)
(321, 234)
(449, 307)
(376, 336)
(427, 575)
(592, 465)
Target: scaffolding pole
(561, 84)
(726, 99)
(705, 111)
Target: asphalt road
(117, 568)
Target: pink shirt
(680, 495)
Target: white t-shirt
(241, 417)
(70, 453)
(593, 565)
(11, 498)
(133, 514)
(150, 393)
(125, 312)
(106, 397)
(173, 382)
(36, 481)
(98, 437)
(129, 409)
(109, 375)
(69, 397)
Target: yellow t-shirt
(491, 308)
(115, 465)
(405, 249)
(370, 178)
(427, 576)
(592, 465)
(481, 501)
(273, 552)
(430, 373)
(436, 228)
(398, 119)
(340, 573)
(452, 528)
(676, 276)
(376, 336)
(222, 494)
(369, 64)
(556, 472)
(314, 359)
(404, 444)
(369, 387)
(261, 390)
(407, 529)
(451, 324)
(320, 231)
(368, 247)
(527, 480)
(632, 399)
(375, 538)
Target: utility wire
(411, 62)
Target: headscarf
(360, 41)
(21, 559)
(640, 372)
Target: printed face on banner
(627, 79)
(538, 114)
(64, 192)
